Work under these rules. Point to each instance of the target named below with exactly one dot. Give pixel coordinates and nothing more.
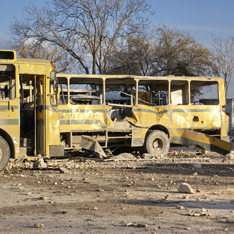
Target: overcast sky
(201, 18)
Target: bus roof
(170, 77)
(130, 79)
(33, 61)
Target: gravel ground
(90, 195)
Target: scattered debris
(64, 170)
(139, 225)
(147, 156)
(199, 213)
(39, 164)
(185, 188)
(39, 225)
(197, 165)
(122, 157)
(109, 194)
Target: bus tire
(157, 143)
(5, 153)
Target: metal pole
(35, 115)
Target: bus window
(40, 94)
(86, 91)
(62, 91)
(179, 92)
(204, 93)
(153, 92)
(7, 82)
(121, 91)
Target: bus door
(47, 118)
(40, 134)
(53, 146)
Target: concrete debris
(39, 164)
(198, 214)
(9, 167)
(229, 221)
(230, 155)
(205, 152)
(164, 200)
(122, 157)
(197, 165)
(100, 190)
(28, 165)
(39, 225)
(225, 159)
(139, 225)
(185, 188)
(64, 170)
(147, 156)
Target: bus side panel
(9, 123)
(196, 117)
(147, 116)
(84, 118)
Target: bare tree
(164, 51)
(177, 53)
(133, 57)
(224, 51)
(87, 29)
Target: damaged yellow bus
(43, 113)
(145, 113)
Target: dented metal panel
(91, 144)
(204, 141)
(84, 117)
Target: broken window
(204, 93)
(153, 92)
(62, 91)
(7, 82)
(86, 91)
(179, 92)
(120, 91)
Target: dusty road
(137, 196)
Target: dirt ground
(86, 195)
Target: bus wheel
(4, 153)
(157, 143)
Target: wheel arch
(158, 127)
(9, 140)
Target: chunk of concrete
(185, 188)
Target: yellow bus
(43, 113)
(149, 113)
(29, 120)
